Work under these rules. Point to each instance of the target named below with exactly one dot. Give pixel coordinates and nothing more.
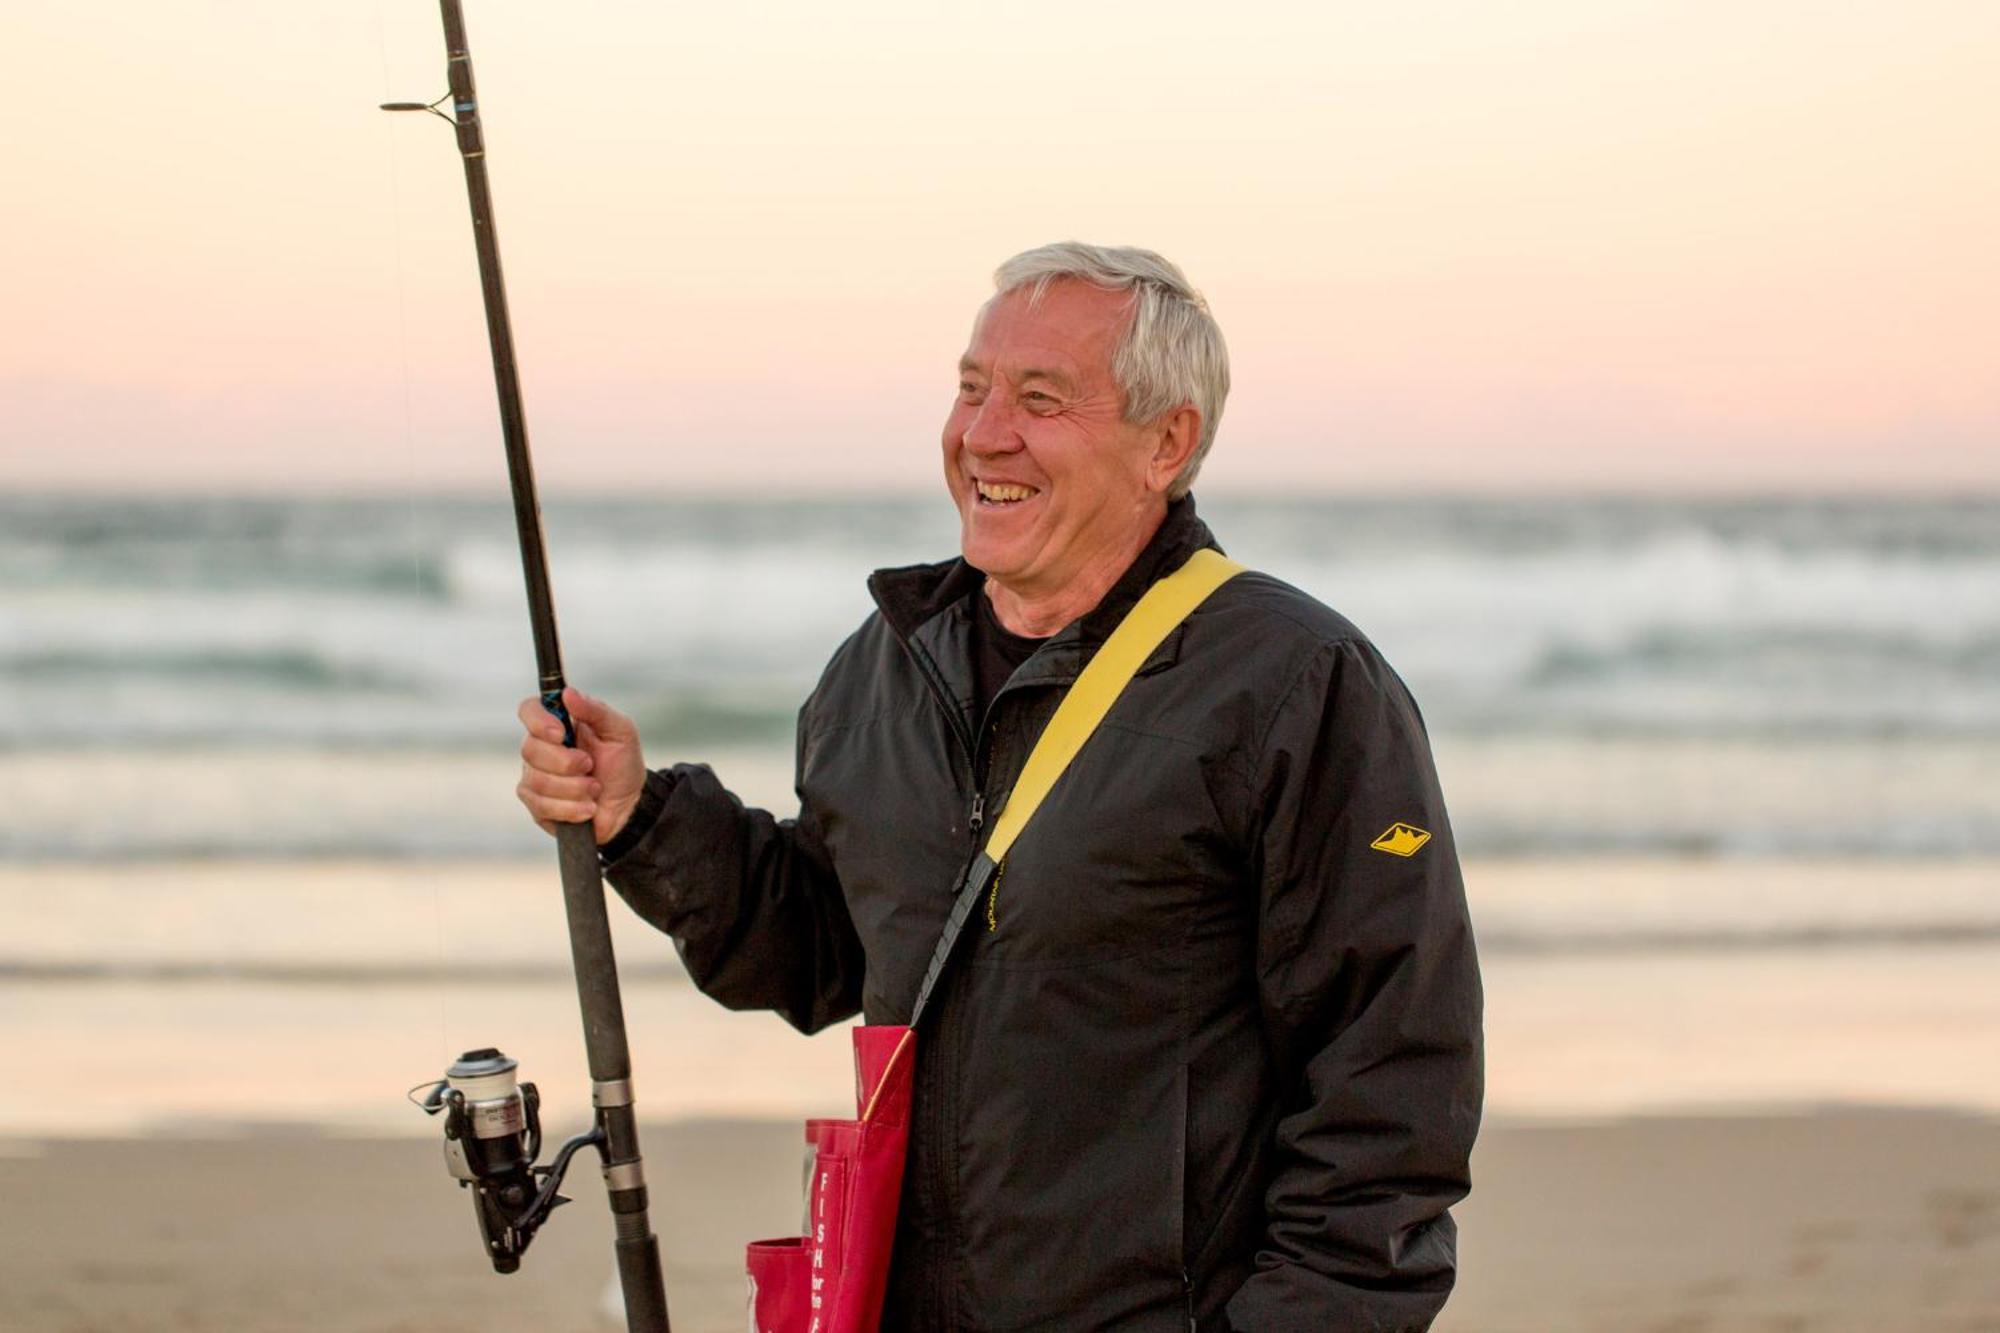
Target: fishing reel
(492, 1136)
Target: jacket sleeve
(1371, 1002)
(751, 901)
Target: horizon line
(738, 492)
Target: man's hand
(599, 780)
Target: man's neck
(1036, 614)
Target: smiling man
(1058, 487)
(1214, 1062)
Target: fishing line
(417, 644)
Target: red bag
(833, 1280)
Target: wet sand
(163, 998)
(1837, 1221)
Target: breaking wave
(396, 624)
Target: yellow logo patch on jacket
(1401, 840)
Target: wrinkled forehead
(1073, 326)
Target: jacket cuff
(652, 800)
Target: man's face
(1045, 471)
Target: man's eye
(968, 388)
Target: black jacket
(1216, 1059)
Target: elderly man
(1212, 1058)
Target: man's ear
(1175, 436)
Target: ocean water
(331, 678)
(1725, 776)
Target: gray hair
(1172, 352)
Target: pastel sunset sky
(1558, 245)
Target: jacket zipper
(935, 1284)
(939, 1185)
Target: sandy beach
(1701, 1123)
(1843, 1221)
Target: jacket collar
(929, 607)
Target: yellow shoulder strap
(1163, 606)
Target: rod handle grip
(639, 1278)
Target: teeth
(1004, 494)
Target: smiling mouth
(998, 495)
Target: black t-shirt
(996, 651)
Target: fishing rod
(492, 1123)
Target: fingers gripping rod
(583, 886)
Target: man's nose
(991, 429)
